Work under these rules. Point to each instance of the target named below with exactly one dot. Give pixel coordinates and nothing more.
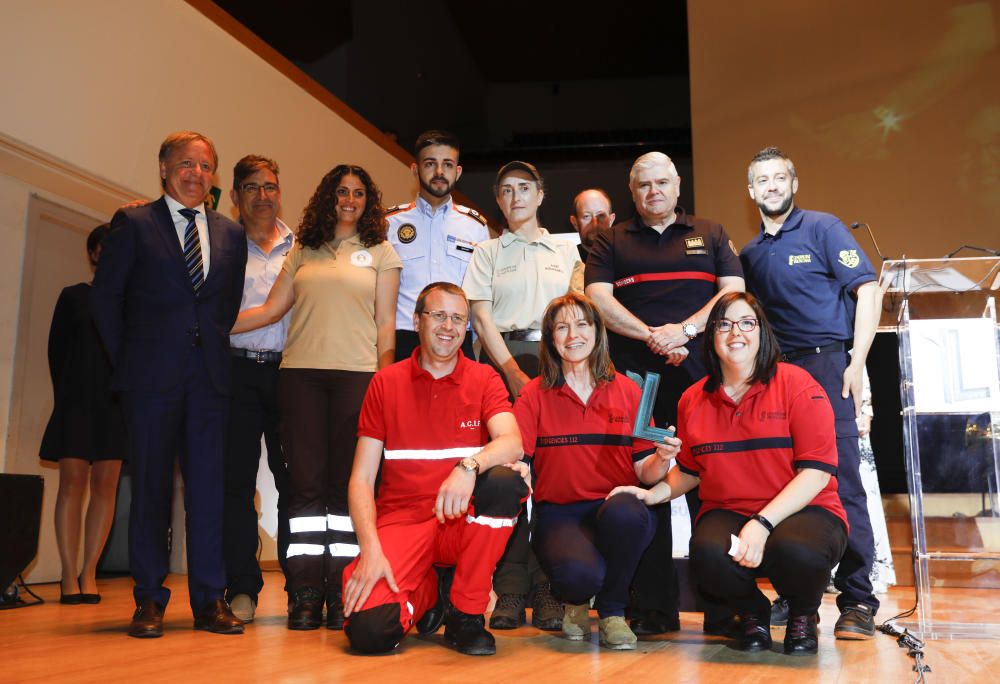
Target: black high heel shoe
(69, 599)
(88, 598)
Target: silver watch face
(690, 329)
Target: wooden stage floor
(56, 643)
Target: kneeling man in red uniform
(438, 424)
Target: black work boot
(306, 609)
(800, 635)
(431, 621)
(468, 634)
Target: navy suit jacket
(146, 309)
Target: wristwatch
(469, 464)
(689, 329)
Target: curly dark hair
(320, 217)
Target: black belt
(812, 351)
(256, 355)
(523, 335)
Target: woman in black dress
(85, 435)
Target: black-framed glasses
(724, 325)
(254, 188)
(440, 317)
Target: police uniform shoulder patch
(406, 233)
(694, 242)
(849, 258)
(471, 213)
(398, 208)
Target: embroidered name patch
(799, 259)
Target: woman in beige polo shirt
(510, 282)
(342, 277)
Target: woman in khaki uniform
(343, 278)
(510, 281)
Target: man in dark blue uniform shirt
(821, 296)
(655, 278)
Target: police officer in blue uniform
(433, 236)
(821, 296)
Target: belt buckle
(258, 355)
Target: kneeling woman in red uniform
(576, 423)
(759, 437)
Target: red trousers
(473, 544)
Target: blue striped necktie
(192, 249)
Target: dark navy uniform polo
(662, 278)
(805, 276)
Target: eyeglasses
(254, 188)
(724, 325)
(440, 317)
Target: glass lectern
(949, 347)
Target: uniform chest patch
(361, 258)
(406, 233)
(694, 242)
(799, 259)
(849, 258)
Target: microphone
(971, 247)
(855, 226)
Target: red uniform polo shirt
(746, 453)
(427, 425)
(580, 451)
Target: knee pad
(375, 630)
(499, 492)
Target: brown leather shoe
(216, 617)
(147, 621)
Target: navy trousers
(187, 423)
(592, 548)
(852, 578)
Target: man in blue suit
(165, 295)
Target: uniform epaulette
(471, 213)
(399, 207)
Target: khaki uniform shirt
(522, 277)
(333, 319)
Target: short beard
(431, 190)
(775, 213)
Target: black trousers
(655, 586)
(253, 413)
(320, 410)
(519, 570)
(798, 558)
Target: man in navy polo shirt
(821, 296)
(655, 278)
